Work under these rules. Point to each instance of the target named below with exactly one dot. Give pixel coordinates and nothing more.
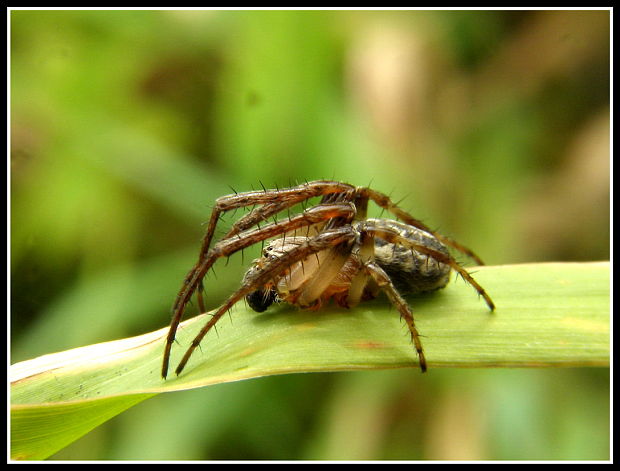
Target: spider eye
(261, 299)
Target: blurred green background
(126, 125)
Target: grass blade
(552, 314)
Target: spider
(328, 251)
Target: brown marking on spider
(328, 251)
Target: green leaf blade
(553, 314)
(40, 430)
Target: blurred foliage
(126, 125)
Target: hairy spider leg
(275, 200)
(233, 244)
(272, 269)
(394, 237)
(386, 203)
(383, 281)
(369, 268)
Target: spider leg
(329, 268)
(274, 200)
(200, 297)
(383, 280)
(231, 245)
(359, 281)
(271, 269)
(392, 236)
(386, 203)
(257, 215)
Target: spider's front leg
(269, 202)
(269, 271)
(238, 242)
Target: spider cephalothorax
(328, 251)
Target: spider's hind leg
(386, 203)
(392, 236)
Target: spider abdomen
(411, 271)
